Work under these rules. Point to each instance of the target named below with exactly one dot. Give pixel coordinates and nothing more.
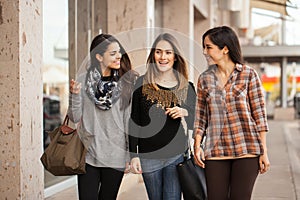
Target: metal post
(284, 82)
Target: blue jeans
(163, 184)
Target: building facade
(135, 23)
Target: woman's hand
(127, 168)
(199, 156)
(75, 87)
(136, 167)
(176, 112)
(264, 163)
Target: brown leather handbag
(65, 155)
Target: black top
(156, 134)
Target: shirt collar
(239, 67)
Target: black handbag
(192, 178)
(65, 154)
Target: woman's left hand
(176, 112)
(264, 163)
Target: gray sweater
(103, 132)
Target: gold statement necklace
(165, 98)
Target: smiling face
(212, 52)
(164, 56)
(110, 59)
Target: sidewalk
(281, 182)
(283, 179)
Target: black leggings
(99, 183)
(231, 179)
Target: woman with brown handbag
(102, 107)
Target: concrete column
(191, 39)
(179, 16)
(158, 13)
(72, 49)
(87, 18)
(176, 15)
(99, 17)
(201, 24)
(126, 15)
(283, 32)
(21, 172)
(78, 34)
(132, 24)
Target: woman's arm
(134, 120)
(190, 106)
(134, 128)
(257, 102)
(201, 113)
(258, 113)
(75, 101)
(200, 124)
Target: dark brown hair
(125, 73)
(225, 36)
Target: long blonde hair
(180, 65)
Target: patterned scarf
(103, 93)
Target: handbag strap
(188, 152)
(65, 129)
(66, 120)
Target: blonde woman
(162, 105)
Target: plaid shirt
(231, 117)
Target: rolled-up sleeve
(257, 102)
(201, 111)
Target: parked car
(51, 116)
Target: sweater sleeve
(75, 102)
(135, 120)
(190, 106)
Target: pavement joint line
(60, 187)
(294, 160)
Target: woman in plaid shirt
(231, 114)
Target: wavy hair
(179, 67)
(125, 73)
